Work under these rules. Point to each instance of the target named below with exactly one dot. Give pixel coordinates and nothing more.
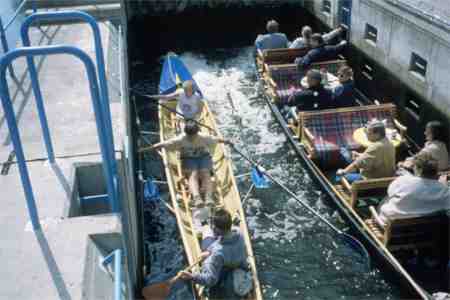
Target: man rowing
(196, 161)
(189, 105)
(222, 271)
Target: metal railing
(74, 15)
(112, 185)
(99, 112)
(117, 256)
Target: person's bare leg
(194, 187)
(205, 178)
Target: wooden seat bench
(409, 233)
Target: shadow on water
(297, 255)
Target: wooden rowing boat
(349, 198)
(225, 187)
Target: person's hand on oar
(186, 275)
(160, 291)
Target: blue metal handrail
(108, 169)
(117, 255)
(71, 15)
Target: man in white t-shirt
(196, 161)
(416, 195)
(190, 104)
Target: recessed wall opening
(89, 194)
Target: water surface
(297, 255)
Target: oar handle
(175, 111)
(264, 171)
(196, 262)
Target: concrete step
(102, 12)
(42, 4)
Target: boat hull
(225, 189)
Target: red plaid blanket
(334, 130)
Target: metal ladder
(99, 94)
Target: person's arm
(171, 143)
(336, 49)
(209, 274)
(304, 62)
(337, 91)
(363, 160)
(327, 37)
(165, 97)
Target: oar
(151, 190)
(160, 291)
(348, 239)
(174, 111)
(258, 179)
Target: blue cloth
(343, 94)
(318, 54)
(271, 41)
(351, 177)
(227, 253)
(200, 163)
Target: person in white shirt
(416, 195)
(304, 41)
(189, 105)
(195, 154)
(436, 146)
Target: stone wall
(402, 29)
(401, 33)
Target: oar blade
(358, 247)
(157, 291)
(151, 191)
(258, 179)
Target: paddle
(346, 238)
(160, 291)
(173, 110)
(258, 179)
(151, 190)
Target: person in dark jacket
(315, 97)
(343, 94)
(319, 52)
(226, 251)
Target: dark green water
(297, 256)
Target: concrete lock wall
(401, 31)
(399, 35)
